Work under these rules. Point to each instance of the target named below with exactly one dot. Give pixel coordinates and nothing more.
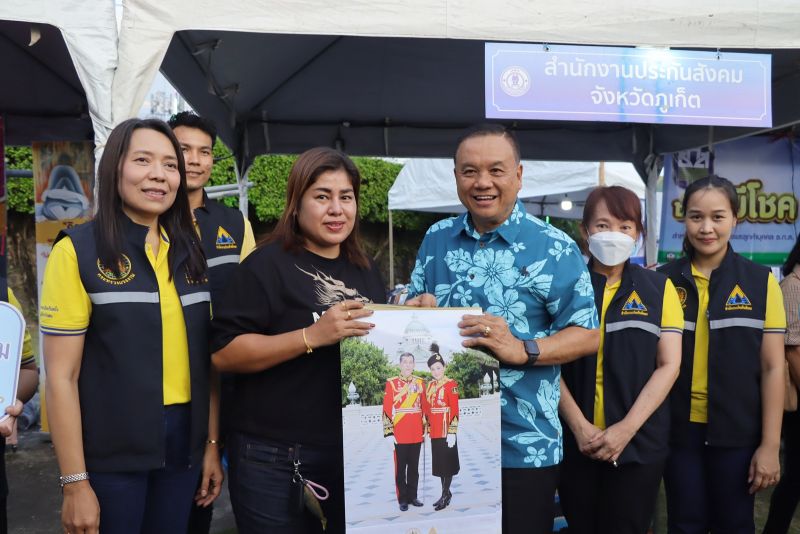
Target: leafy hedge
(269, 174)
(20, 190)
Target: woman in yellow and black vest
(727, 404)
(125, 314)
(615, 439)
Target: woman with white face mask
(617, 424)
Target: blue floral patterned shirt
(534, 276)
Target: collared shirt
(27, 344)
(65, 309)
(774, 321)
(790, 287)
(532, 275)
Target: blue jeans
(156, 501)
(707, 487)
(260, 484)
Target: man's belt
(446, 409)
(407, 410)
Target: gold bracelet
(212, 442)
(309, 350)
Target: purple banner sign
(588, 83)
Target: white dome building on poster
(417, 339)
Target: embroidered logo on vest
(737, 300)
(125, 275)
(224, 239)
(634, 305)
(681, 295)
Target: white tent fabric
(148, 26)
(429, 185)
(89, 28)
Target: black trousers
(598, 498)
(787, 493)
(406, 467)
(707, 487)
(529, 500)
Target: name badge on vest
(12, 332)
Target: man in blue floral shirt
(533, 284)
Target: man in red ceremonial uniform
(402, 418)
(441, 409)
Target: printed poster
(766, 174)
(421, 427)
(63, 176)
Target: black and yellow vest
(736, 312)
(221, 236)
(631, 335)
(121, 376)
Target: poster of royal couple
(421, 427)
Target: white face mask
(611, 248)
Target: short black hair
(406, 355)
(190, 119)
(488, 128)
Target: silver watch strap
(70, 479)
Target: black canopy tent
(41, 97)
(402, 97)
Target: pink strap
(313, 487)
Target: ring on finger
(487, 330)
(348, 314)
(344, 305)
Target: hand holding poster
(421, 427)
(12, 331)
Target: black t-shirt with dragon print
(275, 291)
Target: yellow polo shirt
(27, 344)
(671, 321)
(65, 309)
(774, 319)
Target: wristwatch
(71, 479)
(532, 350)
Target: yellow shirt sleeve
(248, 242)
(775, 318)
(27, 344)
(671, 310)
(65, 307)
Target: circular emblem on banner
(515, 81)
(681, 295)
(107, 275)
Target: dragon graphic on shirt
(330, 290)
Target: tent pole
(601, 174)
(241, 181)
(391, 252)
(651, 214)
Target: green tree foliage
(571, 227)
(20, 190)
(466, 369)
(270, 173)
(19, 157)
(367, 367)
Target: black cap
(436, 358)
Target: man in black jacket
(226, 237)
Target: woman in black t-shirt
(278, 325)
